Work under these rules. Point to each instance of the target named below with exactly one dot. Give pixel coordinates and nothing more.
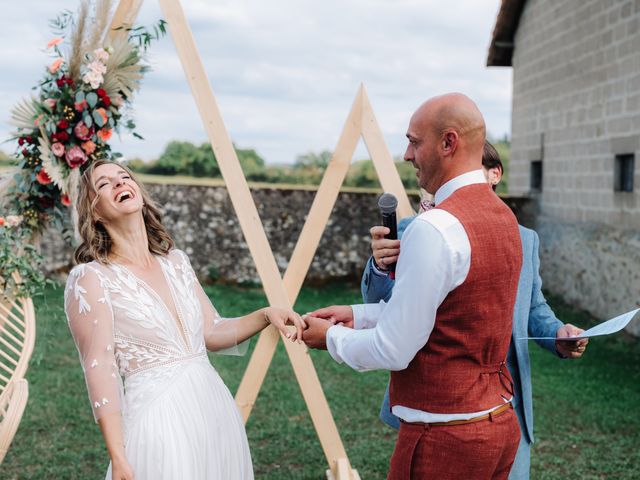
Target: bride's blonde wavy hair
(96, 242)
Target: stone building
(576, 141)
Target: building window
(623, 172)
(536, 176)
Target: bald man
(445, 332)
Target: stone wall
(591, 267)
(203, 223)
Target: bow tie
(425, 206)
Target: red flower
(60, 82)
(65, 200)
(100, 92)
(63, 124)
(69, 81)
(43, 178)
(29, 139)
(75, 157)
(106, 100)
(81, 131)
(2, 221)
(45, 202)
(25, 152)
(21, 141)
(62, 136)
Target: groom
(446, 344)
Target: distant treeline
(185, 158)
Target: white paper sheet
(605, 328)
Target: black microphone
(388, 203)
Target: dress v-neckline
(177, 321)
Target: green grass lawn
(586, 411)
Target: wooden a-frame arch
(280, 291)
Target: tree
(6, 160)
(252, 164)
(313, 160)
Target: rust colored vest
(462, 368)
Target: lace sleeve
(90, 318)
(220, 334)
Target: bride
(136, 311)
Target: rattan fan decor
(17, 338)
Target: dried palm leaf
(50, 165)
(24, 113)
(124, 70)
(73, 185)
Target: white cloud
(285, 72)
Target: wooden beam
(123, 18)
(254, 235)
(382, 159)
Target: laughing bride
(137, 312)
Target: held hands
(312, 328)
(570, 349)
(281, 317)
(320, 321)
(385, 251)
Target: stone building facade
(576, 141)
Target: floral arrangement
(84, 97)
(18, 257)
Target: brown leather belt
(494, 413)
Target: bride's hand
(280, 317)
(121, 470)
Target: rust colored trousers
(483, 450)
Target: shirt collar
(469, 178)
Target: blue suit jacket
(531, 315)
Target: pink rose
(75, 157)
(14, 220)
(57, 149)
(81, 131)
(50, 103)
(80, 106)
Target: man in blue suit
(532, 317)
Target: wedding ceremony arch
(281, 291)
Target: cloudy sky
(285, 72)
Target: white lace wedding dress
(180, 421)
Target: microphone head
(387, 203)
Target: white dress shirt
(435, 257)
